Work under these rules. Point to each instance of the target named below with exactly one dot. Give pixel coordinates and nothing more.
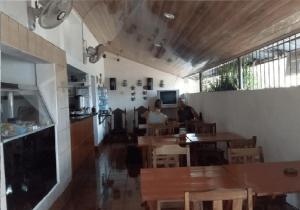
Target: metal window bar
(273, 66)
(278, 67)
(279, 60)
(290, 62)
(296, 62)
(284, 66)
(296, 58)
(269, 71)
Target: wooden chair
(248, 154)
(139, 121)
(206, 153)
(243, 143)
(237, 196)
(168, 155)
(190, 126)
(118, 126)
(206, 128)
(245, 155)
(198, 126)
(160, 129)
(200, 117)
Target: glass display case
(30, 169)
(23, 112)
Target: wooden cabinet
(82, 142)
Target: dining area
(195, 166)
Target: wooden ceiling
(203, 33)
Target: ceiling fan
(93, 53)
(50, 13)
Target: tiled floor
(105, 184)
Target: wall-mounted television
(169, 98)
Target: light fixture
(169, 16)
(157, 44)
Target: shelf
(5, 140)
(78, 84)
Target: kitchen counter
(74, 119)
(82, 141)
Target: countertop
(81, 117)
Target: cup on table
(182, 134)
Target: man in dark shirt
(185, 112)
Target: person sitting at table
(155, 116)
(185, 113)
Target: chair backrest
(168, 155)
(119, 118)
(138, 118)
(245, 155)
(243, 143)
(206, 128)
(160, 129)
(191, 125)
(200, 117)
(237, 196)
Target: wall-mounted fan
(93, 53)
(50, 13)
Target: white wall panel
(14, 70)
(270, 114)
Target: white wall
(17, 71)
(131, 71)
(67, 36)
(270, 114)
(17, 9)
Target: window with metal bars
(272, 66)
(222, 77)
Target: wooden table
(263, 178)
(190, 138)
(266, 178)
(148, 142)
(171, 183)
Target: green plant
(228, 75)
(225, 83)
(249, 80)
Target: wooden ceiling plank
(203, 31)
